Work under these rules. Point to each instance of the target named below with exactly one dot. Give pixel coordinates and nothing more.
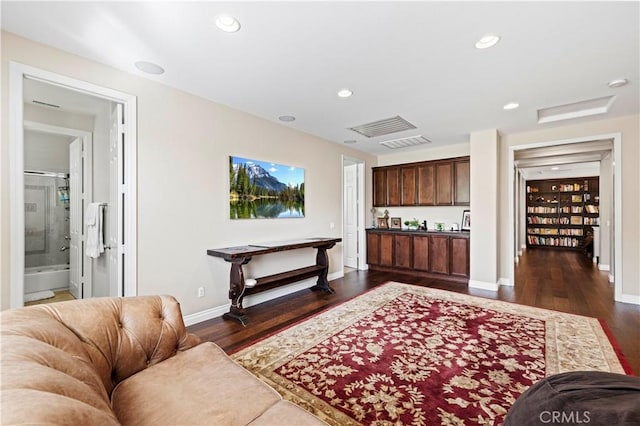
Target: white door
(350, 220)
(75, 219)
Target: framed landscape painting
(264, 190)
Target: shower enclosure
(46, 207)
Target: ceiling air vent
(405, 142)
(383, 127)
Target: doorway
(353, 214)
(573, 150)
(118, 162)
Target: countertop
(418, 231)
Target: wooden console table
(241, 255)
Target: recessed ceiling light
(149, 67)
(350, 141)
(511, 105)
(487, 41)
(555, 168)
(287, 118)
(345, 93)
(227, 23)
(617, 83)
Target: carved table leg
(323, 260)
(236, 291)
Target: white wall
(184, 142)
(46, 151)
(432, 214)
(484, 210)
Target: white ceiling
(413, 59)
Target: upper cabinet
(427, 183)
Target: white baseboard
(603, 267)
(483, 285)
(207, 314)
(255, 299)
(524, 247)
(505, 281)
(611, 278)
(629, 298)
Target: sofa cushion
(201, 386)
(285, 413)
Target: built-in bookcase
(559, 211)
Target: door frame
(87, 146)
(617, 205)
(17, 73)
(347, 160)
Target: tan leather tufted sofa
(110, 361)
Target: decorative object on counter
(396, 223)
(373, 216)
(466, 220)
(412, 224)
(439, 226)
(424, 225)
(455, 227)
(383, 222)
(386, 214)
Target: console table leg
(323, 260)
(236, 291)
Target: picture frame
(396, 223)
(383, 223)
(466, 221)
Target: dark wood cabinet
(426, 183)
(373, 248)
(438, 255)
(462, 180)
(421, 253)
(408, 185)
(444, 184)
(459, 248)
(403, 249)
(393, 186)
(379, 187)
(386, 249)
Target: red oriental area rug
(403, 354)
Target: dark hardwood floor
(560, 280)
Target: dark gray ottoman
(579, 398)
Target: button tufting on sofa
(104, 361)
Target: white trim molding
(629, 298)
(482, 285)
(505, 281)
(603, 267)
(17, 73)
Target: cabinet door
(386, 249)
(379, 187)
(421, 253)
(426, 185)
(459, 256)
(444, 183)
(393, 186)
(408, 185)
(402, 252)
(461, 182)
(373, 248)
(439, 254)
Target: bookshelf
(560, 211)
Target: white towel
(95, 241)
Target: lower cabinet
(430, 254)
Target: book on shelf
(590, 208)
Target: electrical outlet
(200, 291)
